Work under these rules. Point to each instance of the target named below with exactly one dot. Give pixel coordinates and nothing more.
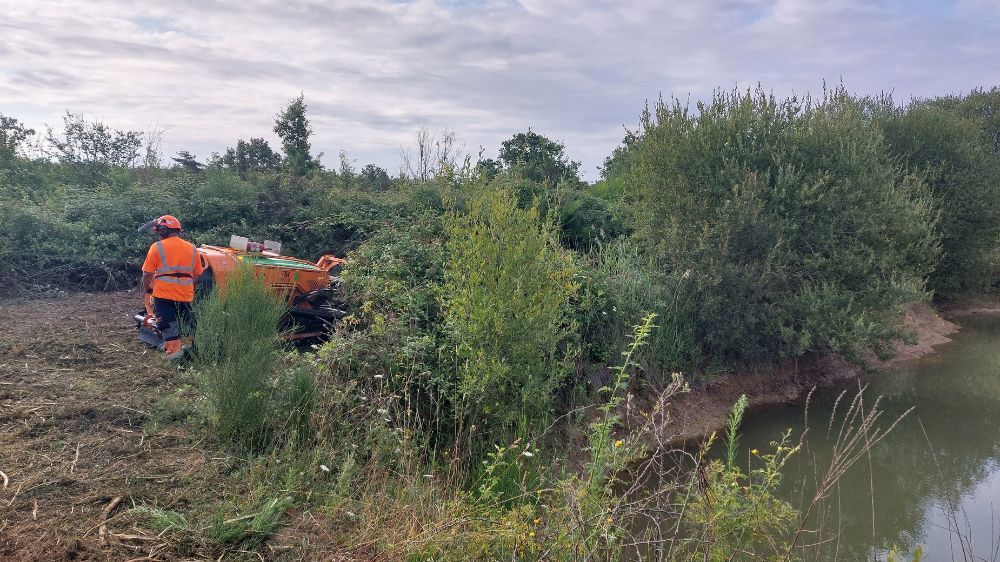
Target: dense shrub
(624, 284)
(789, 216)
(956, 159)
(980, 105)
(808, 222)
(237, 353)
(507, 308)
(586, 220)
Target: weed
(247, 531)
(237, 355)
(732, 430)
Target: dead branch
(76, 457)
(105, 513)
(11, 501)
(125, 537)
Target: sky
(208, 72)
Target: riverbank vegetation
(479, 399)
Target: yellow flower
(619, 443)
(537, 520)
(531, 534)
(754, 451)
(609, 520)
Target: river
(941, 490)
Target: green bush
(586, 220)
(238, 350)
(980, 105)
(507, 302)
(768, 204)
(956, 159)
(623, 284)
(390, 342)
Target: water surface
(940, 490)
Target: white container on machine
(244, 244)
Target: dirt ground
(94, 423)
(78, 443)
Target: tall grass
(626, 283)
(237, 352)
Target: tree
(12, 134)
(538, 158)
(152, 155)
(188, 161)
(91, 149)
(433, 154)
(346, 170)
(488, 168)
(617, 164)
(956, 158)
(292, 127)
(374, 178)
(254, 156)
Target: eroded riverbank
(695, 415)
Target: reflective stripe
(164, 269)
(176, 280)
(159, 250)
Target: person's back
(175, 268)
(171, 268)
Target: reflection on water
(918, 492)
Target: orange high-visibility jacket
(175, 265)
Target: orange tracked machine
(312, 289)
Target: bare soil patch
(77, 396)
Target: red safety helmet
(167, 222)
(162, 225)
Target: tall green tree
(90, 150)
(188, 161)
(12, 134)
(374, 178)
(250, 157)
(292, 127)
(538, 158)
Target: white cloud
(212, 71)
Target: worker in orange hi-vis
(168, 274)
